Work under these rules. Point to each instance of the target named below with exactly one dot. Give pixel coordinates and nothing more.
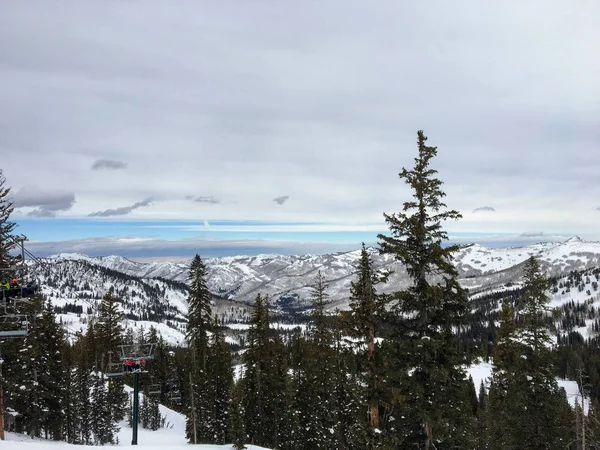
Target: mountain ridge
(287, 278)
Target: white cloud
(320, 100)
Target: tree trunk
(429, 437)
(373, 407)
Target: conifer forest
(389, 372)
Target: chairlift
(154, 389)
(172, 390)
(16, 288)
(174, 396)
(14, 326)
(115, 370)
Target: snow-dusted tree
(362, 322)
(52, 378)
(221, 379)
(103, 428)
(199, 425)
(527, 408)
(428, 407)
(144, 412)
(155, 418)
(315, 397)
(83, 387)
(264, 380)
(236, 418)
(37, 376)
(109, 336)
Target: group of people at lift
(133, 365)
(16, 288)
(13, 284)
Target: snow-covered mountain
(76, 286)
(287, 279)
(156, 293)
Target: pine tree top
(416, 232)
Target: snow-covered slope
(287, 279)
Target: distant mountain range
(156, 293)
(287, 279)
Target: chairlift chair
(154, 389)
(13, 326)
(114, 370)
(174, 396)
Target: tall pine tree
(362, 322)
(109, 336)
(200, 419)
(425, 379)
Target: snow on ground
(572, 390)
(480, 371)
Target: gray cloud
(123, 210)
(483, 208)
(204, 199)
(281, 200)
(109, 164)
(530, 234)
(329, 116)
(46, 203)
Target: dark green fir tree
(424, 378)
(200, 418)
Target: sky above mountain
(275, 125)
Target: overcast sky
(298, 112)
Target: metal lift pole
(136, 404)
(1, 404)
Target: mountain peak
(573, 239)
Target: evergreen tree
(144, 412)
(200, 420)
(155, 418)
(53, 377)
(321, 332)
(482, 411)
(28, 395)
(236, 418)
(315, 399)
(71, 421)
(428, 406)
(108, 334)
(523, 381)
(362, 322)
(349, 400)
(84, 407)
(264, 380)
(103, 428)
(221, 374)
(6, 225)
